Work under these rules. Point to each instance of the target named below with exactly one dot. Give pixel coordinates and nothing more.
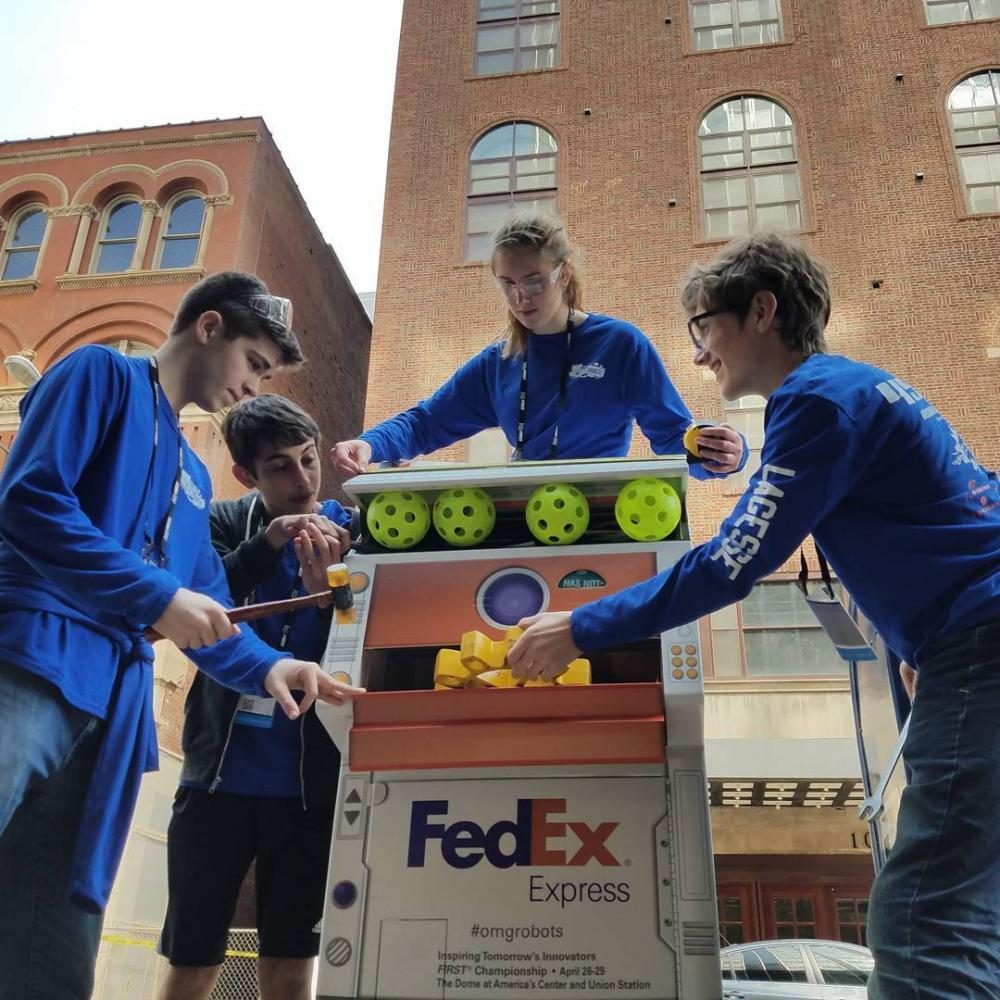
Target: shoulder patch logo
(191, 490)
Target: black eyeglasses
(694, 327)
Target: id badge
(843, 631)
(253, 711)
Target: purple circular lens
(344, 894)
(511, 597)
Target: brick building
(100, 236)
(659, 128)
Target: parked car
(795, 969)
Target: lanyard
(296, 588)
(522, 398)
(154, 549)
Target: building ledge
(23, 286)
(122, 279)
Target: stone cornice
(70, 210)
(22, 286)
(124, 279)
(132, 145)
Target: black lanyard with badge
(522, 398)
(252, 710)
(154, 548)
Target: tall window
(513, 36)
(726, 24)
(182, 232)
(782, 636)
(120, 233)
(951, 11)
(974, 108)
(749, 169)
(24, 244)
(512, 166)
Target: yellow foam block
(479, 652)
(578, 672)
(449, 670)
(493, 679)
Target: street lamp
(21, 368)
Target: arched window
(132, 348)
(513, 36)
(181, 232)
(119, 236)
(749, 169)
(23, 246)
(951, 11)
(727, 24)
(974, 109)
(511, 166)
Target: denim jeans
(934, 915)
(48, 946)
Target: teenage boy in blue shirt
(104, 531)
(255, 785)
(910, 520)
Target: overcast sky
(320, 73)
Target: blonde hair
(544, 233)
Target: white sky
(320, 73)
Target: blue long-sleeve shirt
(893, 496)
(615, 377)
(76, 495)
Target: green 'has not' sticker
(582, 579)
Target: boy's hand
(546, 649)
(720, 448)
(192, 620)
(351, 458)
(281, 529)
(316, 550)
(299, 675)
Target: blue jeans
(934, 915)
(48, 946)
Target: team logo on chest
(594, 370)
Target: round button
(341, 675)
(692, 661)
(344, 894)
(675, 649)
(690, 649)
(678, 675)
(684, 630)
(677, 661)
(693, 674)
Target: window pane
(186, 217)
(20, 264)
(984, 199)
(973, 92)
(495, 62)
(538, 33)
(115, 257)
(770, 188)
(123, 222)
(727, 117)
(496, 143)
(543, 58)
(531, 8)
(705, 15)
(725, 192)
(778, 602)
(707, 39)
(757, 10)
(948, 13)
(791, 651)
(179, 253)
(493, 39)
(760, 34)
(496, 10)
(30, 229)
(842, 966)
(723, 223)
(783, 964)
(986, 8)
(489, 178)
(530, 139)
(483, 219)
(762, 113)
(981, 168)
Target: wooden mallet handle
(251, 612)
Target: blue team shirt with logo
(906, 515)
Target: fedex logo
(465, 843)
